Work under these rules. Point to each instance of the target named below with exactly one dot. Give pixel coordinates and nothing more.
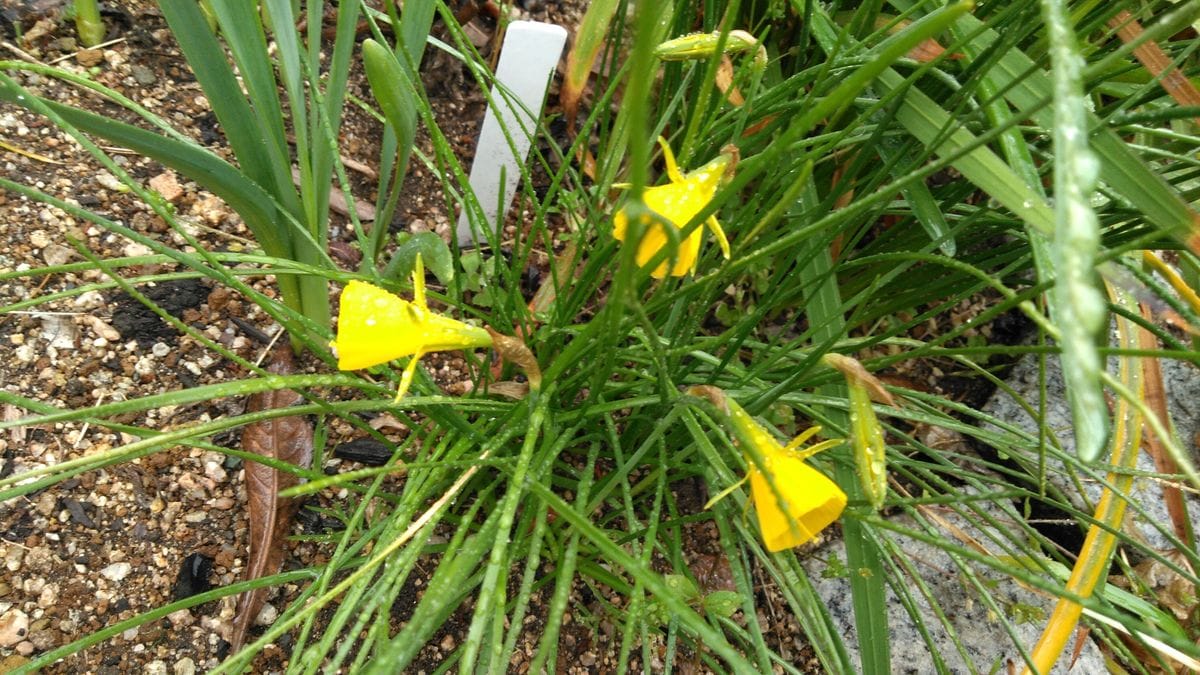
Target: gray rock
(1147, 516)
(143, 75)
(987, 644)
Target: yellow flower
(375, 327)
(678, 202)
(810, 500)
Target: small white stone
(14, 626)
(116, 571)
(48, 597)
(160, 349)
(101, 328)
(215, 471)
(135, 249)
(109, 181)
(25, 354)
(184, 666)
(266, 615)
(181, 618)
(156, 667)
(39, 238)
(54, 254)
(196, 517)
(89, 299)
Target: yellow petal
(374, 327)
(677, 203)
(812, 502)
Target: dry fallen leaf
(289, 439)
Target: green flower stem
(88, 23)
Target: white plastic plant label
(530, 54)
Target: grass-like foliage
(898, 160)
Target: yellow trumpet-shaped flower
(375, 327)
(678, 202)
(794, 501)
(803, 502)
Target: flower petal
(811, 502)
(374, 327)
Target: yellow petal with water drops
(677, 203)
(810, 501)
(374, 327)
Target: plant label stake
(527, 60)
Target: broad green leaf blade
(213, 173)
(88, 23)
(397, 98)
(434, 252)
(258, 143)
(927, 121)
(1028, 88)
(867, 579)
(416, 20)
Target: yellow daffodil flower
(810, 501)
(678, 202)
(375, 327)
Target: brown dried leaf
(1156, 398)
(713, 572)
(589, 39)
(1155, 60)
(927, 51)
(724, 82)
(514, 350)
(1173, 590)
(547, 293)
(285, 438)
(337, 201)
(856, 374)
(510, 389)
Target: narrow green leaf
(1080, 311)
(454, 578)
(924, 207)
(588, 41)
(823, 304)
